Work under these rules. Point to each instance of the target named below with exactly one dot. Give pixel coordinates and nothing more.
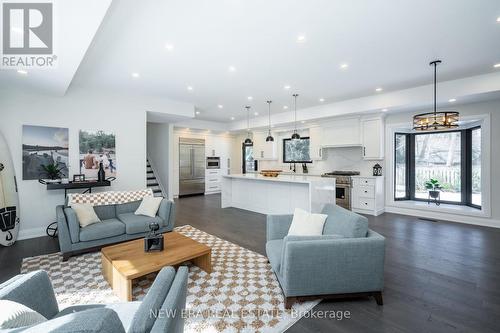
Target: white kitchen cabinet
(341, 133)
(315, 143)
(373, 138)
(367, 195)
(263, 150)
(212, 181)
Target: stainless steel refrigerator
(191, 166)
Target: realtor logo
(27, 29)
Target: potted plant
(53, 172)
(434, 187)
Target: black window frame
(465, 166)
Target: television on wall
(296, 151)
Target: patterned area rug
(241, 294)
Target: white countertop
(281, 178)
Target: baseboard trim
(31, 233)
(482, 221)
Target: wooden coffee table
(124, 262)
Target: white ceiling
(387, 43)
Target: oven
(343, 195)
(213, 163)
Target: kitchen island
(277, 195)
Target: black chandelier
(432, 121)
(269, 136)
(248, 140)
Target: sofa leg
(66, 256)
(378, 298)
(289, 302)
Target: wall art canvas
(44, 147)
(97, 147)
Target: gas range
(343, 183)
(341, 177)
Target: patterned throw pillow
(16, 315)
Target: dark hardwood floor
(439, 276)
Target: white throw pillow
(149, 206)
(15, 315)
(307, 224)
(86, 214)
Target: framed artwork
(44, 147)
(97, 147)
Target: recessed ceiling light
(285, 107)
(303, 122)
(385, 110)
(497, 65)
(197, 112)
(321, 100)
(378, 89)
(232, 69)
(286, 87)
(22, 72)
(344, 66)
(169, 47)
(232, 118)
(135, 75)
(451, 100)
(301, 38)
(220, 106)
(189, 88)
(498, 19)
(249, 98)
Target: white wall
(470, 110)
(350, 158)
(158, 151)
(78, 109)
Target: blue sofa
(119, 224)
(160, 311)
(347, 260)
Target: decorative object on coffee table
(122, 263)
(434, 188)
(377, 170)
(153, 240)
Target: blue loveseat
(160, 310)
(119, 224)
(347, 260)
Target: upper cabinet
(263, 150)
(217, 146)
(341, 133)
(315, 143)
(372, 130)
(366, 132)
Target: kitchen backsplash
(350, 158)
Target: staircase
(151, 181)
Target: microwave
(213, 162)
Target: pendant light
(295, 135)
(248, 141)
(431, 121)
(269, 136)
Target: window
(401, 169)
(451, 157)
(296, 151)
(248, 161)
(475, 161)
(438, 156)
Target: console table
(87, 185)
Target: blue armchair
(160, 311)
(347, 260)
